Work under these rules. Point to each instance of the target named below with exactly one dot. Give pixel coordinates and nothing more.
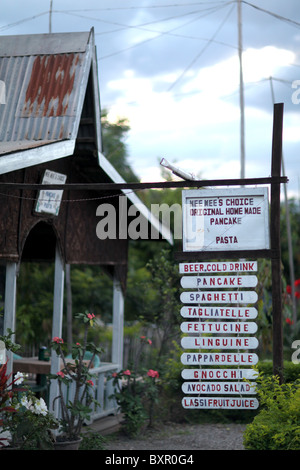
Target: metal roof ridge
(44, 43)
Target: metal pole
(50, 17)
(242, 125)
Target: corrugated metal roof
(44, 78)
(43, 84)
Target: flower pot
(67, 445)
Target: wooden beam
(10, 306)
(56, 326)
(275, 243)
(118, 324)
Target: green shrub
(291, 371)
(92, 440)
(277, 424)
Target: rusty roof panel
(50, 86)
(43, 92)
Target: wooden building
(50, 126)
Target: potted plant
(75, 373)
(30, 425)
(24, 419)
(6, 384)
(6, 407)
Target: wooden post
(275, 243)
(10, 306)
(118, 320)
(56, 324)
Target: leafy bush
(291, 371)
(133, 396)
(92, 441)
(277, 425)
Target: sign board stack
(218, 297)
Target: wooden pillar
(118, 324)
(275, 244)
(10, 306)
(58, 298)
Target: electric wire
(201, 52)
(274, 15)
(160, 34)
(24, 20)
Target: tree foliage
(294, 216)
(153, 285)
(114, 145)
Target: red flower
(127, 372)
(57, 340)
(297, 295)
(152, 373)
(147, 340)
(289, 321)
(297, 282)
(289, 289)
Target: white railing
(103, 389)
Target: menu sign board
(219, 335)
(225, 219)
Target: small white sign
(49, 199)
(218, 313)
(228, 388)
(217, 282)
(240, 403)
(225, 219)
(219, 327)
(218, 374)
(219, 297)
(224, 342)
(217, 267)
(226, 359)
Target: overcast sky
(172, 68)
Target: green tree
(34, 304)
(294, 215)
(114, 145)
(157, 295)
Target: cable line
(201, 52)
(275, 15)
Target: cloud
(222, 78)
(146, 46)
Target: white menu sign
(225, 219)
(212, 339)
